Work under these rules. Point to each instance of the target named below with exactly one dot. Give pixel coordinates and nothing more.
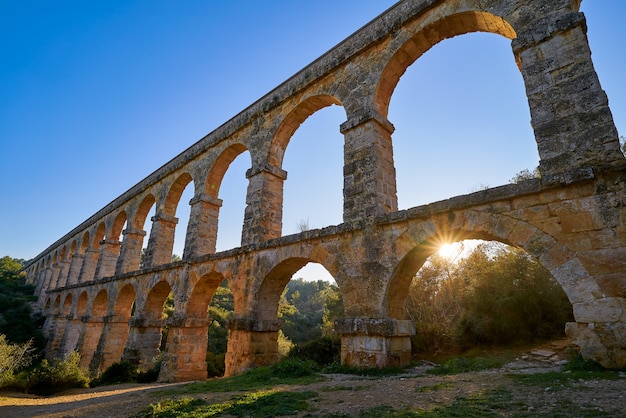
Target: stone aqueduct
(99, 301)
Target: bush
(58, 375)
(13, 358)
(323, 351)
(215, 364)
(122, 372)
(294, 368)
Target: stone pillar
(600, 330)
(57, 326)
(185, 356)
(263, 216)
(90, 336)
(144, 342)
(70, 337)
(251, 343)
(44, 284)
(130, 253)
(109, 253)
(88, 270)
(64, 270)
(54, 281)
(161, 241)
(369, 185)
(111, 344)
(375, 343)
(202, 228)
(75, 267)
(569, 110)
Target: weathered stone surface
(99, 298)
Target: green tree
(17, 321)
(495, 295)
(13, 358)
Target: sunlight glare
(448, 250)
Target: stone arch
(219, 168)
(562, 263)
(176, 191)
(427, 37)
(56, 305)
(100, 304)
(118, 224)
(203, 291)
(84, 244)
(292, 122)
(153, 307)
(139, 219)
(99, 235)
(81, 304)
(66, 309)
(124, 302)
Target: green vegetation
(17, 322)
(496, 296)
(287, 372)
(21, 341)
(257, 404)
(13, 358)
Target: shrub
(294, 368)
(58, 375)
(323, 351)
(122, 372)
(13, 358)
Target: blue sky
(94, 96)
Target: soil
(349, 395)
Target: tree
(13, 358)
(495, 295)
(10, 267)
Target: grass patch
(373, 372)
(433, 388)
(255, 404)
(287, 372)
(464, 365)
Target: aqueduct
(100, 299)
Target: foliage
(308, 309)
(257, 404)
(58, 375)
(10, 267)
(495, 296)
(121, 372)
(17, 322)
(220, 311)
(286, 372)
(13, 358)
(323, 351)
(526, 174)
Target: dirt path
(350, 395)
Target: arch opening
(228, 182)
(460, 110)
(313, 191)
(305, 306)
(470, 293)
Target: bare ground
(351, 395)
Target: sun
(448, 250)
